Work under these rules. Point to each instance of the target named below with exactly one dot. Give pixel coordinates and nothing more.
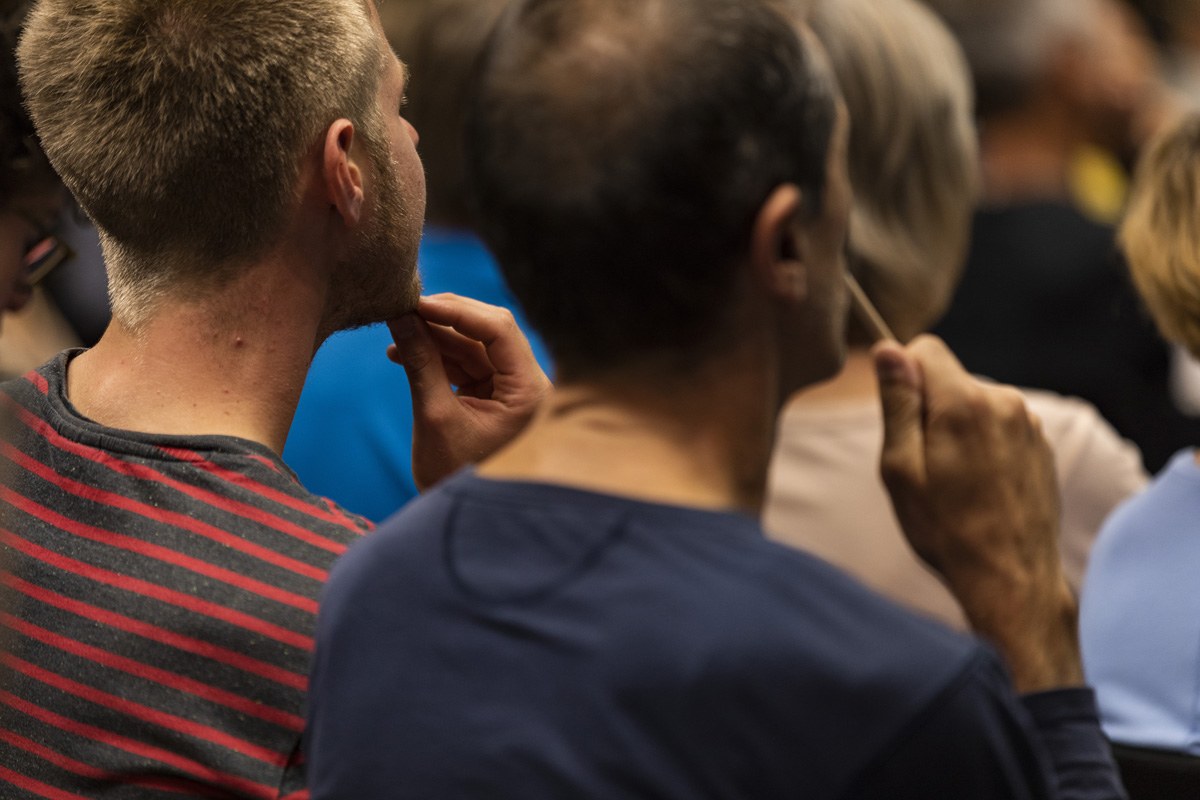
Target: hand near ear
(973, 485)
(455, 341)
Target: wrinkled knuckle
(922, 343)
(977, 401)
(416, 361)
(963, 414)
(1011, 409)
(1010, 401)
(504, 319)
(1035, 423)
(435, 416)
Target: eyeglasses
(45, 253)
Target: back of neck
(706, 447)
(186, 373)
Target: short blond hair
(180, 125)
(913, 152)
(1161, 232)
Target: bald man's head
(621, 150)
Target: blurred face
(1117, 81)
(380, 281)
(24, 225)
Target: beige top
(32, 336)
(825, 494)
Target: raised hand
(452, 341)
(973, 485)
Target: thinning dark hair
(620, 151)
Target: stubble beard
(379, 281)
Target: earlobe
(777, 245)
(343, 178)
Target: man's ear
(777, 245)
(343, 178)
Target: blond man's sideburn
(180, 125)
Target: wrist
(1036, 630)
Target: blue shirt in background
(1140, 614)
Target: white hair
(913, 152)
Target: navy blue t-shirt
(517, 640)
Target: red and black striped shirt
(159, 612)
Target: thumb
(416, 351)
(901, 392)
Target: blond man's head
(1161, 232)
(181, 125)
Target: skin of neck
(701, 440)
(228, 360)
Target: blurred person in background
(1045, 301)
(351, 439)
(913, 157)
(1140, 612)
(31, 203)
(1179, 24)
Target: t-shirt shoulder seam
(965, 676)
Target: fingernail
(891, 368)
